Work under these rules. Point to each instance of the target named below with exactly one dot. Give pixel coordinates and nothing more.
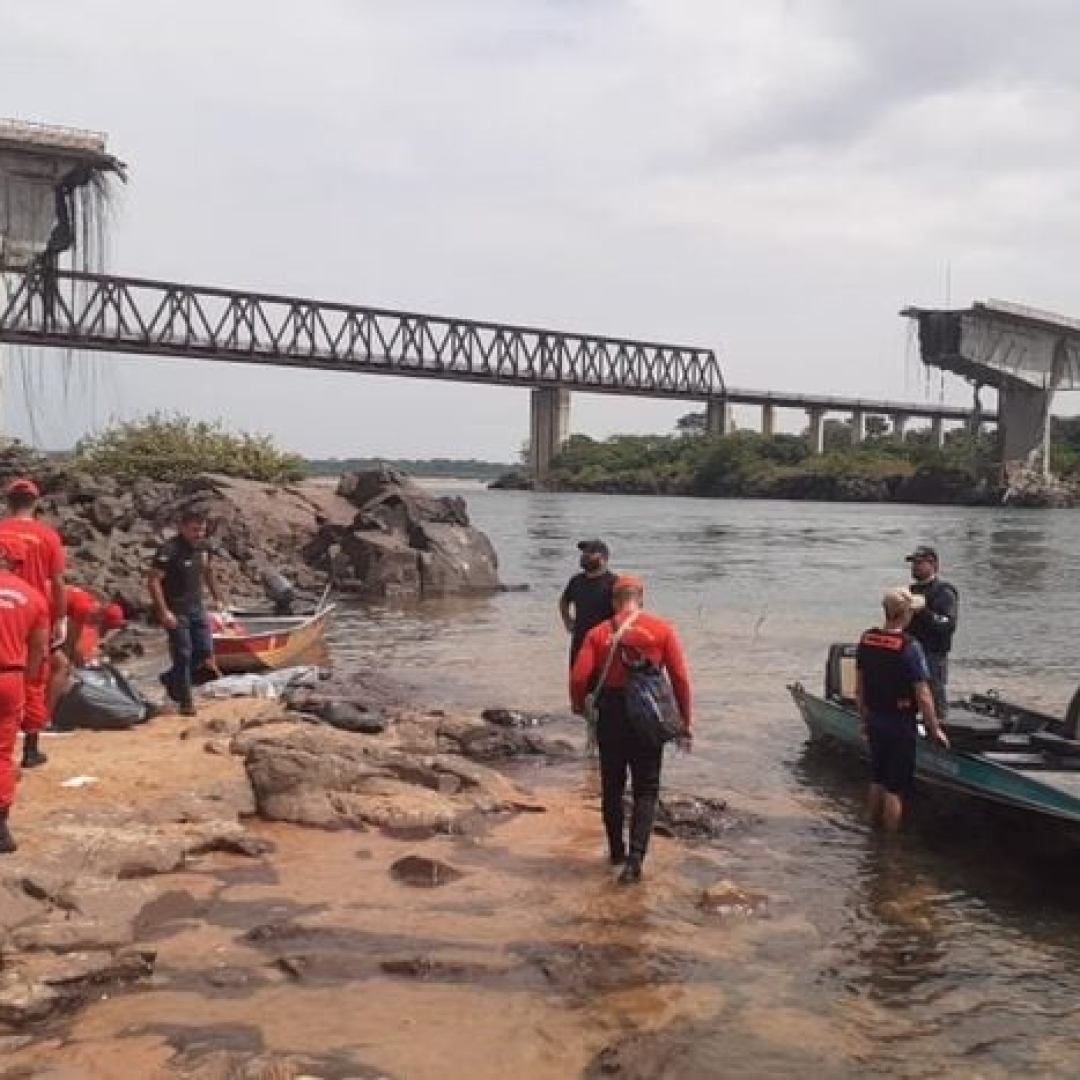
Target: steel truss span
(74, 310)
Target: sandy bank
(322, 951)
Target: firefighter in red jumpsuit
(43, 569)
(24, 642)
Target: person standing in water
(600, 669)
(586, 601)
(892, 689)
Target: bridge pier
(549, 428)
(1024, 420)
(816, 433)
(768, 420)
(899, 425)
(858, 426)
(937, 433)
(718, 417)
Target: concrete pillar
(768, 420)
(858, 426)
(549, 428)
(899, 423)
(937, 432)
(718, 417)
(1024, 421)
(816, 434)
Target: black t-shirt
(182, 565)
(591, 600)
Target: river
(940, 953)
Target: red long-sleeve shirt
(651, 637)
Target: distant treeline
(450, 467)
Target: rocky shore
(162, 919)
(376, 534)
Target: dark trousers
(622, 754)
(190, 646)
(938, 663)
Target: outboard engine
(279, 591)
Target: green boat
(1001, 754)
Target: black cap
(923, 551)
(597, 547)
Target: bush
(173, 448)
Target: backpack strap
(616, 637)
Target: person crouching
(599, 670)
(24, 644)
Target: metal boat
(1001, 754)
(260, 642)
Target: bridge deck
(74, 310)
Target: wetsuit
(44, 561)
(183, 566)
(891, 663)
(23, 609)
(933, 628)
(590, 597)
(621, 750)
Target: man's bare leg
(894, 812)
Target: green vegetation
(470, 469)
(747, 464)
(173, 448)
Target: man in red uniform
(24, 623)
(599, 667)
(43, 569)
(89, 619)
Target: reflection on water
(936, 952)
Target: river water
(940, 953)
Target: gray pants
(938, 663)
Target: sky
(773, 180)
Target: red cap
(112, 617)
(12, 548)
(24, 486)
(628, 583)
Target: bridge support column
(768, 420)
(816, 433)
(858, 426)
(718, 417)
(937, 432)
(549, 428)
(899, 425)
(1024, 420)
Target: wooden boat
(262, 642)
(1001, 754)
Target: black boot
(631, 872)
(7, 841)
(32, 757)
(617, 854)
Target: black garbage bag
(101, 699)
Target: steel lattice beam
(74, 310)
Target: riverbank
(156, 927)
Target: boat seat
(1055, 744)
(970, 730)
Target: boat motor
(279, 591)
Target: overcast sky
(771, 179)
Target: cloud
(773, 179)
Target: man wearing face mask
(586, 601)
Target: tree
(173, 448)
(693, 423)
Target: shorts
(892, 752)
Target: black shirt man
(180, 573)
(586, 601)
(933, 627)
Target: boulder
(380, 533)
(317, 776)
